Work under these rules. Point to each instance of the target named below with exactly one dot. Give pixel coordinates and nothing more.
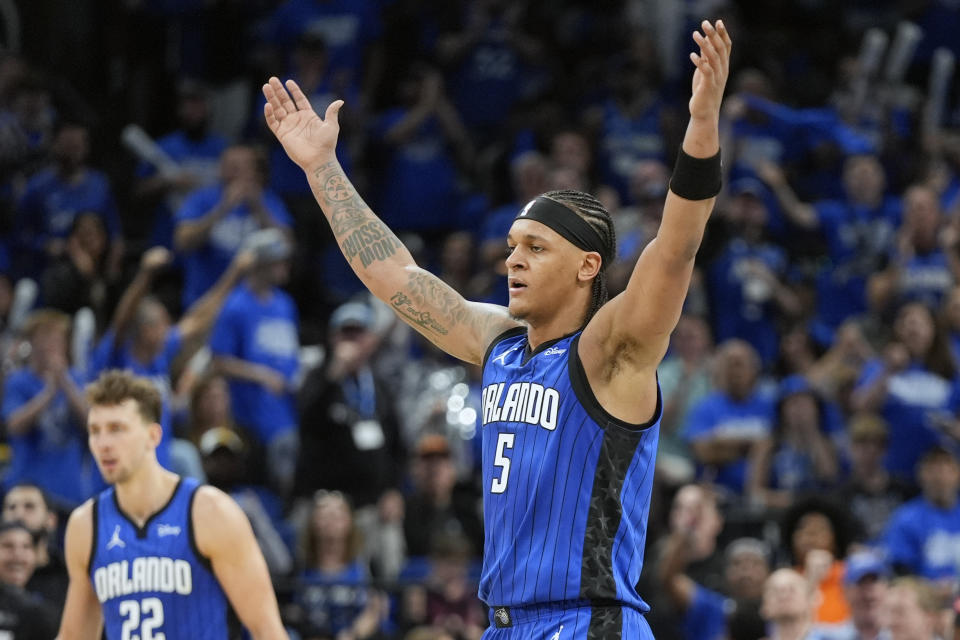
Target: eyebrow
(529, 237)
(108, 423)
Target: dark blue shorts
(575, 620)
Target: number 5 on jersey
(504, 441)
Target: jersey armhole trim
(581, 387)
(509, 333)
(95, 507)
(191, 532)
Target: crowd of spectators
(807, 480)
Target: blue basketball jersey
(566, 485)
(152, 582)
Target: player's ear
(589, 266)
(156, 433)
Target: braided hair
(590, 209)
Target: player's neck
(559, 326)
(146, 492)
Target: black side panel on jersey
(94, 536)
(204, 560)
(606, 623)
(603, 518)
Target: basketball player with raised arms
(571, 406)
(156, 555)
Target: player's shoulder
(213, 510)
(83, 513)
(80, 534)
(207, 498)
(216, 519)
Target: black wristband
(696, 178)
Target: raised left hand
(713, 67)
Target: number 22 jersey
(566, 491)
(152, 582)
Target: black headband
(564, 221)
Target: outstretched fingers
(299, 99)
(272, 91)
(283, 100)
(708, 51)
(724, 36)
(720, 42)
(270, 116)
(702, 60)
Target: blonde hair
(115, 386)
(926, 595)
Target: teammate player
(571, 406)
(156, 556)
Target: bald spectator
(788, 604)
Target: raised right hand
(306, 138)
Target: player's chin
(110, 473)
(518, 310)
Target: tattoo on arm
(430, 303)
(428, 290)
(404, 306)
(372, 241)
(361, 234)
(347, 216)
(426, 302)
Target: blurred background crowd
(808, 474)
